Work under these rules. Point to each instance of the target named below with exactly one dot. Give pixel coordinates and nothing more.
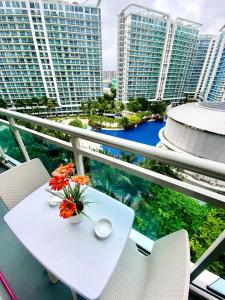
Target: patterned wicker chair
(164, 275)
(17, 183)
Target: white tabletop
(72, 252)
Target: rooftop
(207, 117)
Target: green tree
(113, 92)
(30, 103)
(158, 107)
(138, 104)
(22, 104)
(76, 122)
(163, 211)
(96, 121)
(119, 106)
(124, 123)
(2, 103)
(118, 184)
(133, 120)
(44, 100)
(161, 168)
(88, 107)
(134, 105)
(206, 234)
(128, 157)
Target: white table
(72, 252)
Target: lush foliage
(206, 234)
(163, 211)
(2, 103)
(144, 114)
(138, 104)
(36, 105)
(76, 122)
(158, 107)
(129, 121)
(161, 168)
(104, 104)
(153, 107)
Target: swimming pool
(146, 133)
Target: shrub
(96, 121)
(133, 120)
(124, 123)
(76, 122)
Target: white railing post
(18, 138)
(77, 156)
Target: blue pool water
(146, 133)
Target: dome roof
(201, 116)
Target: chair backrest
(17, 183)
(169, 268)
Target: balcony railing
(136, 177)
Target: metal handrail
(184, 161)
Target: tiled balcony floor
(27, 278)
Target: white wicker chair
(17, 183)
(164, 275)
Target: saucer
(103, 228)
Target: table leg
(52, 278)
(74, 295)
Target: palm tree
(21, 103)
(128, 157)
(44, 100)
(2, 103)
(48, 103)
(51, 104)
(31, 102)
(118, 184)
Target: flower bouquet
(74, 201)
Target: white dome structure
(197, 129)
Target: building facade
(50, 48)
(181, 48)
(142, 36)
(199, 64)
(109, 75)
(204, 54)
(154, 54)
(213, 88)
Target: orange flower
(67, 209)
(57, 183)
(64, 170)
(80, 179)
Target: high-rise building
(182, 42)
(142, 39)
(197, 64)
(50, 48)
(213, 88)
(201, 62)
(154, 54)
(109, 75)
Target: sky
(211, 13)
